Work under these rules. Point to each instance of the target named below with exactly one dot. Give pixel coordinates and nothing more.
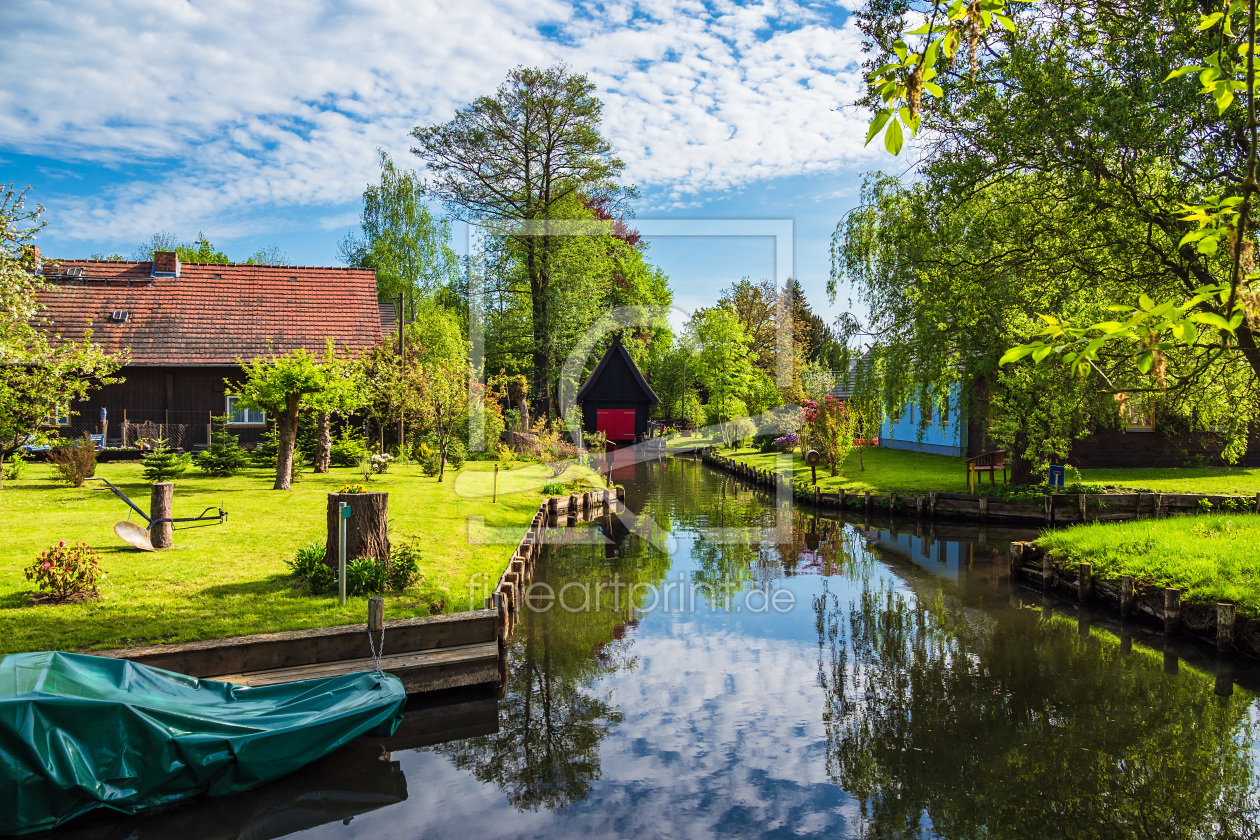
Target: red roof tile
(214, 314)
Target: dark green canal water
(722, 666)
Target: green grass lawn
(1242, 481)
(231, 579)
(887, 470)
(896, 470)
(1213, 558)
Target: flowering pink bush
(66, 570)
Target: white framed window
(240, 416)
(59, 416)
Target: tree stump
(161, 504)
(366, 530)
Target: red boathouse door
(616, 423)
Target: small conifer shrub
(225, 457)
(161, 463)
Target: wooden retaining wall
(431, 653)
(1054, 509)
(507, 599)
(1219, 623)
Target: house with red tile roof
(187, 327)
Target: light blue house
(901, 431)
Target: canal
(712, 664)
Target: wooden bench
(989, 462)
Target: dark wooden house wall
(184, 396)
(1115, 449)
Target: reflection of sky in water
(722, 735)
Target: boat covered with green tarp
(81, 732)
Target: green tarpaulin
(81, 732)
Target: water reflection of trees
(966, 724)
(555, 716)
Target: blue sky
(258, 123)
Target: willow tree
(512, 158)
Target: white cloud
(217, 115)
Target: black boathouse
(615, 398)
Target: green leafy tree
(268, 255)
(948, 292)
(515, 157)
(41, 375)
(723, 363)
(399, 238)
(439, 379)
(343, 393)
(282, 386)
(161, 463)
(200, 251)
(225, 456)
(197, 251)
(1160, 194)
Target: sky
(258, 123)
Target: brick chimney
(36, 265)
(165, 264)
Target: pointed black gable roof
(617, 352)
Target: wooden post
(1126, 595)
(161, 503)
(1224, 626)
(1016, 559)
(892, 503)
(376, 615)
(918, 505)
(1049, 508)
(1257, 495)
(840, 498)
(817, 495)
(932, 503)
(984, 508)
(1047, 571)
(866, 502)
(1159, 504)
(1082, 503)
(1085, 581)
(125, 440)
(1172, 610)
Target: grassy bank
(1225, 481)
(887, 470)
(1213, 558)
(231, 579)
(896, 470)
